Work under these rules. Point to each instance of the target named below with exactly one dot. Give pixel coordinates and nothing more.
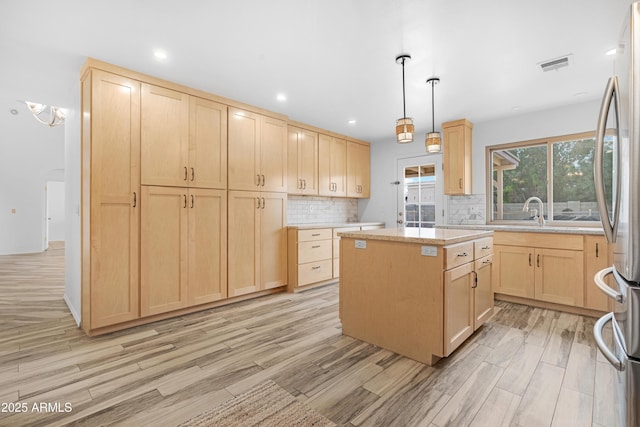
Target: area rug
(265, 405)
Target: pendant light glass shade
(404, 125)
(433, 141)
(404, 130)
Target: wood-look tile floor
(525, 367)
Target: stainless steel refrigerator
(619, 205)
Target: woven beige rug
(265, 405)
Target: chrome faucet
(538, 218)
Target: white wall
(384, 154)
(72, 249)
(28, 152)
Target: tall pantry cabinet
(110, 199)
(154, 199)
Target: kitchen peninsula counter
(418, 292)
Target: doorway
(420, 192)
(55, 213)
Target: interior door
(420, 191)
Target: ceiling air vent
(556, 63)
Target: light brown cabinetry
(457, 157)
(468, 298)
(358, 173)
(183, 139)
(310, 256)
(550, 269)
(302, 157)
(183, 248)
(257, 241)
(257, 152)
(597, 256)
(110, 199)
(332, 166)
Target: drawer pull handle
(486, 261)
(316, 267)
(315, 234)
(463, 254)
(486, 247)
(315, 247)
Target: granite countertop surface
(425, 236)
(528, 228)
(333, 225)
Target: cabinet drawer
(316, 250)
(313, 272)
(343, 230)
(459, 254)
(314, 234)
(481, 262)
(482, 247)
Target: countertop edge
(334, 225)
(368, 235)
(528, 229)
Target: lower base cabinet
(257, 241)
(183, 248)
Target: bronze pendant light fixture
(433, 142)
(404, 125)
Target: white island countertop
(425, 236)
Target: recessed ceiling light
(160, 54)
(281, 97)
(14, 111)
(352, 122)
(610, 52)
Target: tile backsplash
(316, 209)
(469, 209)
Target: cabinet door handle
(316, 267)
(596, 250)
(192, 201)
(299, 184)
(538, 260)
(135, 199)
(463, 254)
(263, 180)
(529, 260)
(257, 180)
(258, 202)
(460, 183)
(263, 203)
(185, 173)
(304, 184)
(475, 280)
(193, 174)
(185, 201)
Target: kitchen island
(420, 292)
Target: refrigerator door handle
(600, 283)
(610, 95)
(606, 351)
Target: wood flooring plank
(539, 401)
(581, 369)
(497, 410)
(604, 404)
(517, 376)
(508, 346)
(466, 402)
(572, 409)
(559, 346)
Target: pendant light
(433, 142)
(404, 125)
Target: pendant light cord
(404, 107)
(433, 111)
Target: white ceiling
(334, 59)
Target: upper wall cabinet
(257, 152)
(302, 157)
(332, 166)
(457, 157)
(358, 169)
(183, 139)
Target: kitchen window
(559, 171)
